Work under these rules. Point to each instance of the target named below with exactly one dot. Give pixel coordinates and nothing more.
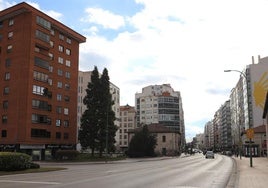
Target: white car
(209, 154)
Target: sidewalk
(251, 177)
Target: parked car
(210, 154)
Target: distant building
(39, 63)
(160, 104)
(127, 123)
(83, 79)
(167, 139)
(200, 141)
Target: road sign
(250, 133)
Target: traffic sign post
(250, 135)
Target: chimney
(252, 57)
(259, 58)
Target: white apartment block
(160, 104)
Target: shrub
(66, 154)
(12, 161)
(34, 165)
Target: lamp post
(247, 87)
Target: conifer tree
(107, 126)
(89, 129)
(97, 123)
(142, 143)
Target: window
(10, 22)
(38, 118)
(66, 111)
(58, 122)
(60, 72)
(4, 119)
(68, 63)
(66, 98)
(41, 63)
(49, 81)
(58, 109)
(66, 135)
(7, 76)
(50, 68)
(61, 36)
(4, 133)
(67, 86)
(58, 135)
(40, 76)
(59, 84)
(42, 105)
(5, 104)
(9, 48)
(52, 32)
(39, 90)
(51, 44)
(66, 123)
(8, 62)
(42, 36)
(60, 48)
(44, 23)
(10, 35)
(68, 40)
(163, 138)
(58, 97)
(51, 56)
(1, 36)
(68, 51)
(1, 24)
(67, 74)
(6, 90)
(60, 60)
(40, 133)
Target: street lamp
(247, 87)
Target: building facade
(39, 66)
(127, 123)
(160, 104)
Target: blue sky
(186, 43)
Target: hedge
(66, 154)
(13, 161)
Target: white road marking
(31, 182)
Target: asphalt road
(193, 171)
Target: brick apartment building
(39, 73)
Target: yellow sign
(250, 133)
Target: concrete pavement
(250, 177)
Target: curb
(234, 176)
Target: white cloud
(55, 15)
(193, 40)
(5, 4)
(105, 18)
(187, 44)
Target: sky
(185, 43)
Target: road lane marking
(30, 182)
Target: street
(192, 171)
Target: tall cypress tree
(107, 126)
(90, 121)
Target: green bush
(66, 154)
(34, 165)
(12, 161)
